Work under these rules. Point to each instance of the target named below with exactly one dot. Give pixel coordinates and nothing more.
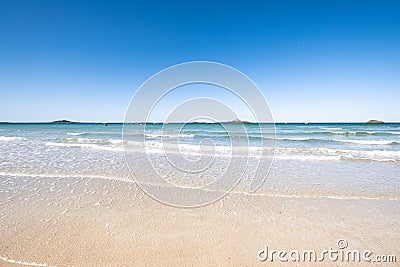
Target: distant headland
(375, 122)
(72, 122)
(62, 121)
(236, 121)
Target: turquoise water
(351, 141)
(341, 159)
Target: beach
(68, 199)
(92, 222)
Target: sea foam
(11, 138)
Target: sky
(314, 61)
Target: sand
(98, 222)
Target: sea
(320, 160)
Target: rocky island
(375, 122)
(236, 121)
(62, 121)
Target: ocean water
(343, 160)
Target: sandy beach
(97, 222)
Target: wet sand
(99, 222)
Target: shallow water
(317, 160)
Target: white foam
(308, 157)
(21, 262)
(75, 134)
(331, 128)
(88, 146)
(354, 133)
(283, 153)
(61, 175)
(158, 135)
(295, 138)
(83, 140)
(381, 153)
(197, 150)
(374, 155)
(11, 138)
(93, 140)
(116, 141)
(369, 142)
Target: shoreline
(263, 194)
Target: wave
(88, 146)
(330, 150)
(358, 142)
(187, 149)
(76, 134)
(156, 135)
(369, 142)
(331, 128)
(298, 139)
(11, 138)
(352, 133)
(281, 136)
(282, 153)
(364, 133)
(347, 133)
(308, 157)
(345, 154)
(285, 136)
(93, 140)
(80, 140)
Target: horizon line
(177, 122)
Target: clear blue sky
(314, 60)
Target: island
(236, 121)
(62, 121)
(375, 122)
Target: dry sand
(98, 222)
